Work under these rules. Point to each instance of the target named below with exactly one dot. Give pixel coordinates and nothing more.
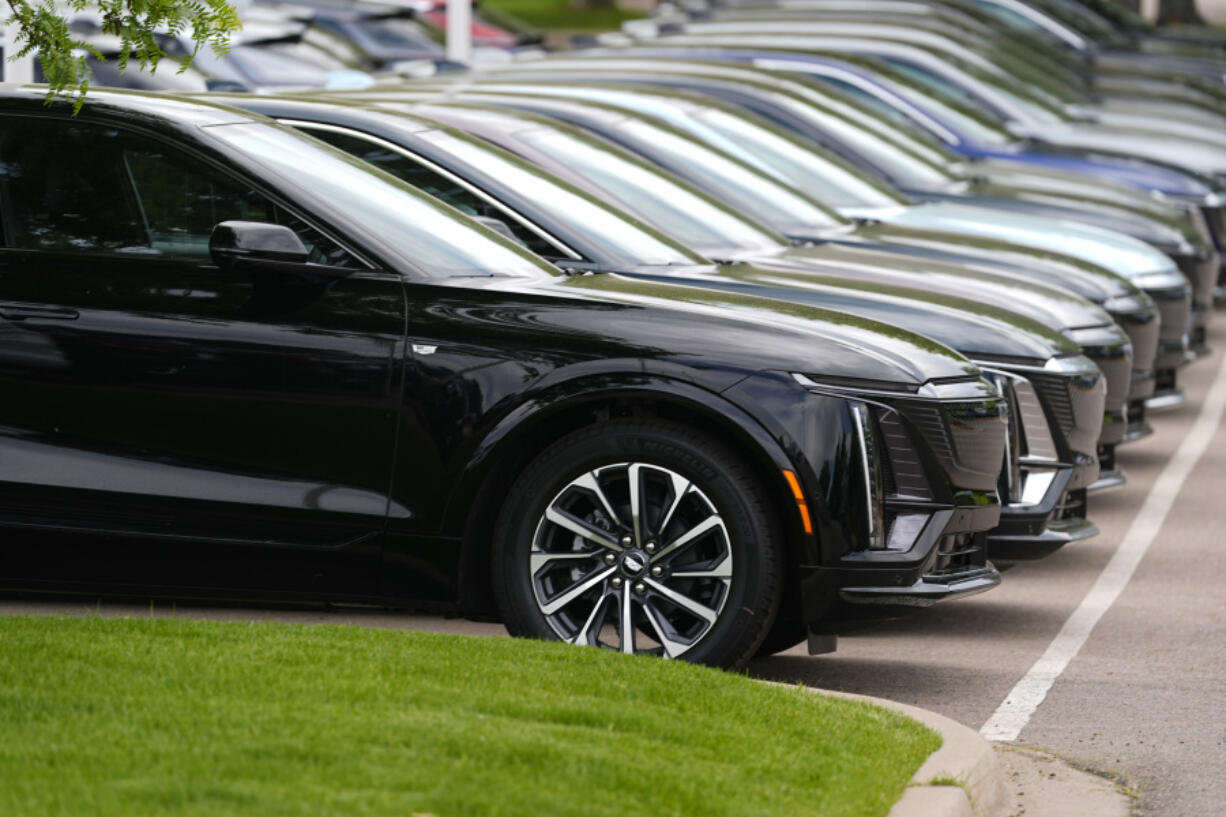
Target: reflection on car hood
(1194, 155)
(1101, 215)
(1121, 169)
(987, 282)
(780, 335)
(1113, 251)
(973, 328)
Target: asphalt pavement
(1144, 698)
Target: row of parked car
(745, 325)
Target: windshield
(302, 51)
(617, 237)
(895, 164)
(426, 233)
(980, 127)
(968, 95)
(672, 208)
(169, 76)
(398, 33)
(827, 180)
(980, 132)
(755, 193)
(755, 144)
(257, 66)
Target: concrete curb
(964, 756)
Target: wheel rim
(632, 557)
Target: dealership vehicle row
(743, 327)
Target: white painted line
(1011, 717)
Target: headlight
(1130, 303)
(887, 492)
(1107, 340)
(889, 473)
(1172, 279)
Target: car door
(167, 423)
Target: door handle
(21, 312)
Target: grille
(1106, 457)
(1054, 391)
(1216, 218)
(1202, 274)
(978, 434)
(1038, 441)
(1165, 380)
(958, 553)
(931, 425)
(969, 436)
(901, 469)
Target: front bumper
(1115, 349)
(1202, 273)
(1175, 308)
(1054, 428)
(956, 566)
(1053, 517)
(1141, 323)
(916, 535)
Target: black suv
(239, 363)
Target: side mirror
(497, 225)
(254, 243)
(225, 86)
(269, 248)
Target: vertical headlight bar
(870, 463)
(1030, 449)
(1011, 473)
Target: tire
(569, 565)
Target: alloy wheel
(633, 557)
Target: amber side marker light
(800, 500)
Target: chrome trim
(961, 391)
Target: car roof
(354, 111)
(159, 111)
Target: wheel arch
(524, 433)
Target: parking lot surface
(1143, 696)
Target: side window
(432, 183)
(75, 186)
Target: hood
(1162, 236)
(1168, 181)
(990, 283)
(1196, 156)
(1089, 245)
(1072, 277)
(709, 328)
(973, 329)
(1030, 181)
(1165, 126)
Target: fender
(767, 448)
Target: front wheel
(641, 537)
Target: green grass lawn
(565, 15)
(135, 718)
